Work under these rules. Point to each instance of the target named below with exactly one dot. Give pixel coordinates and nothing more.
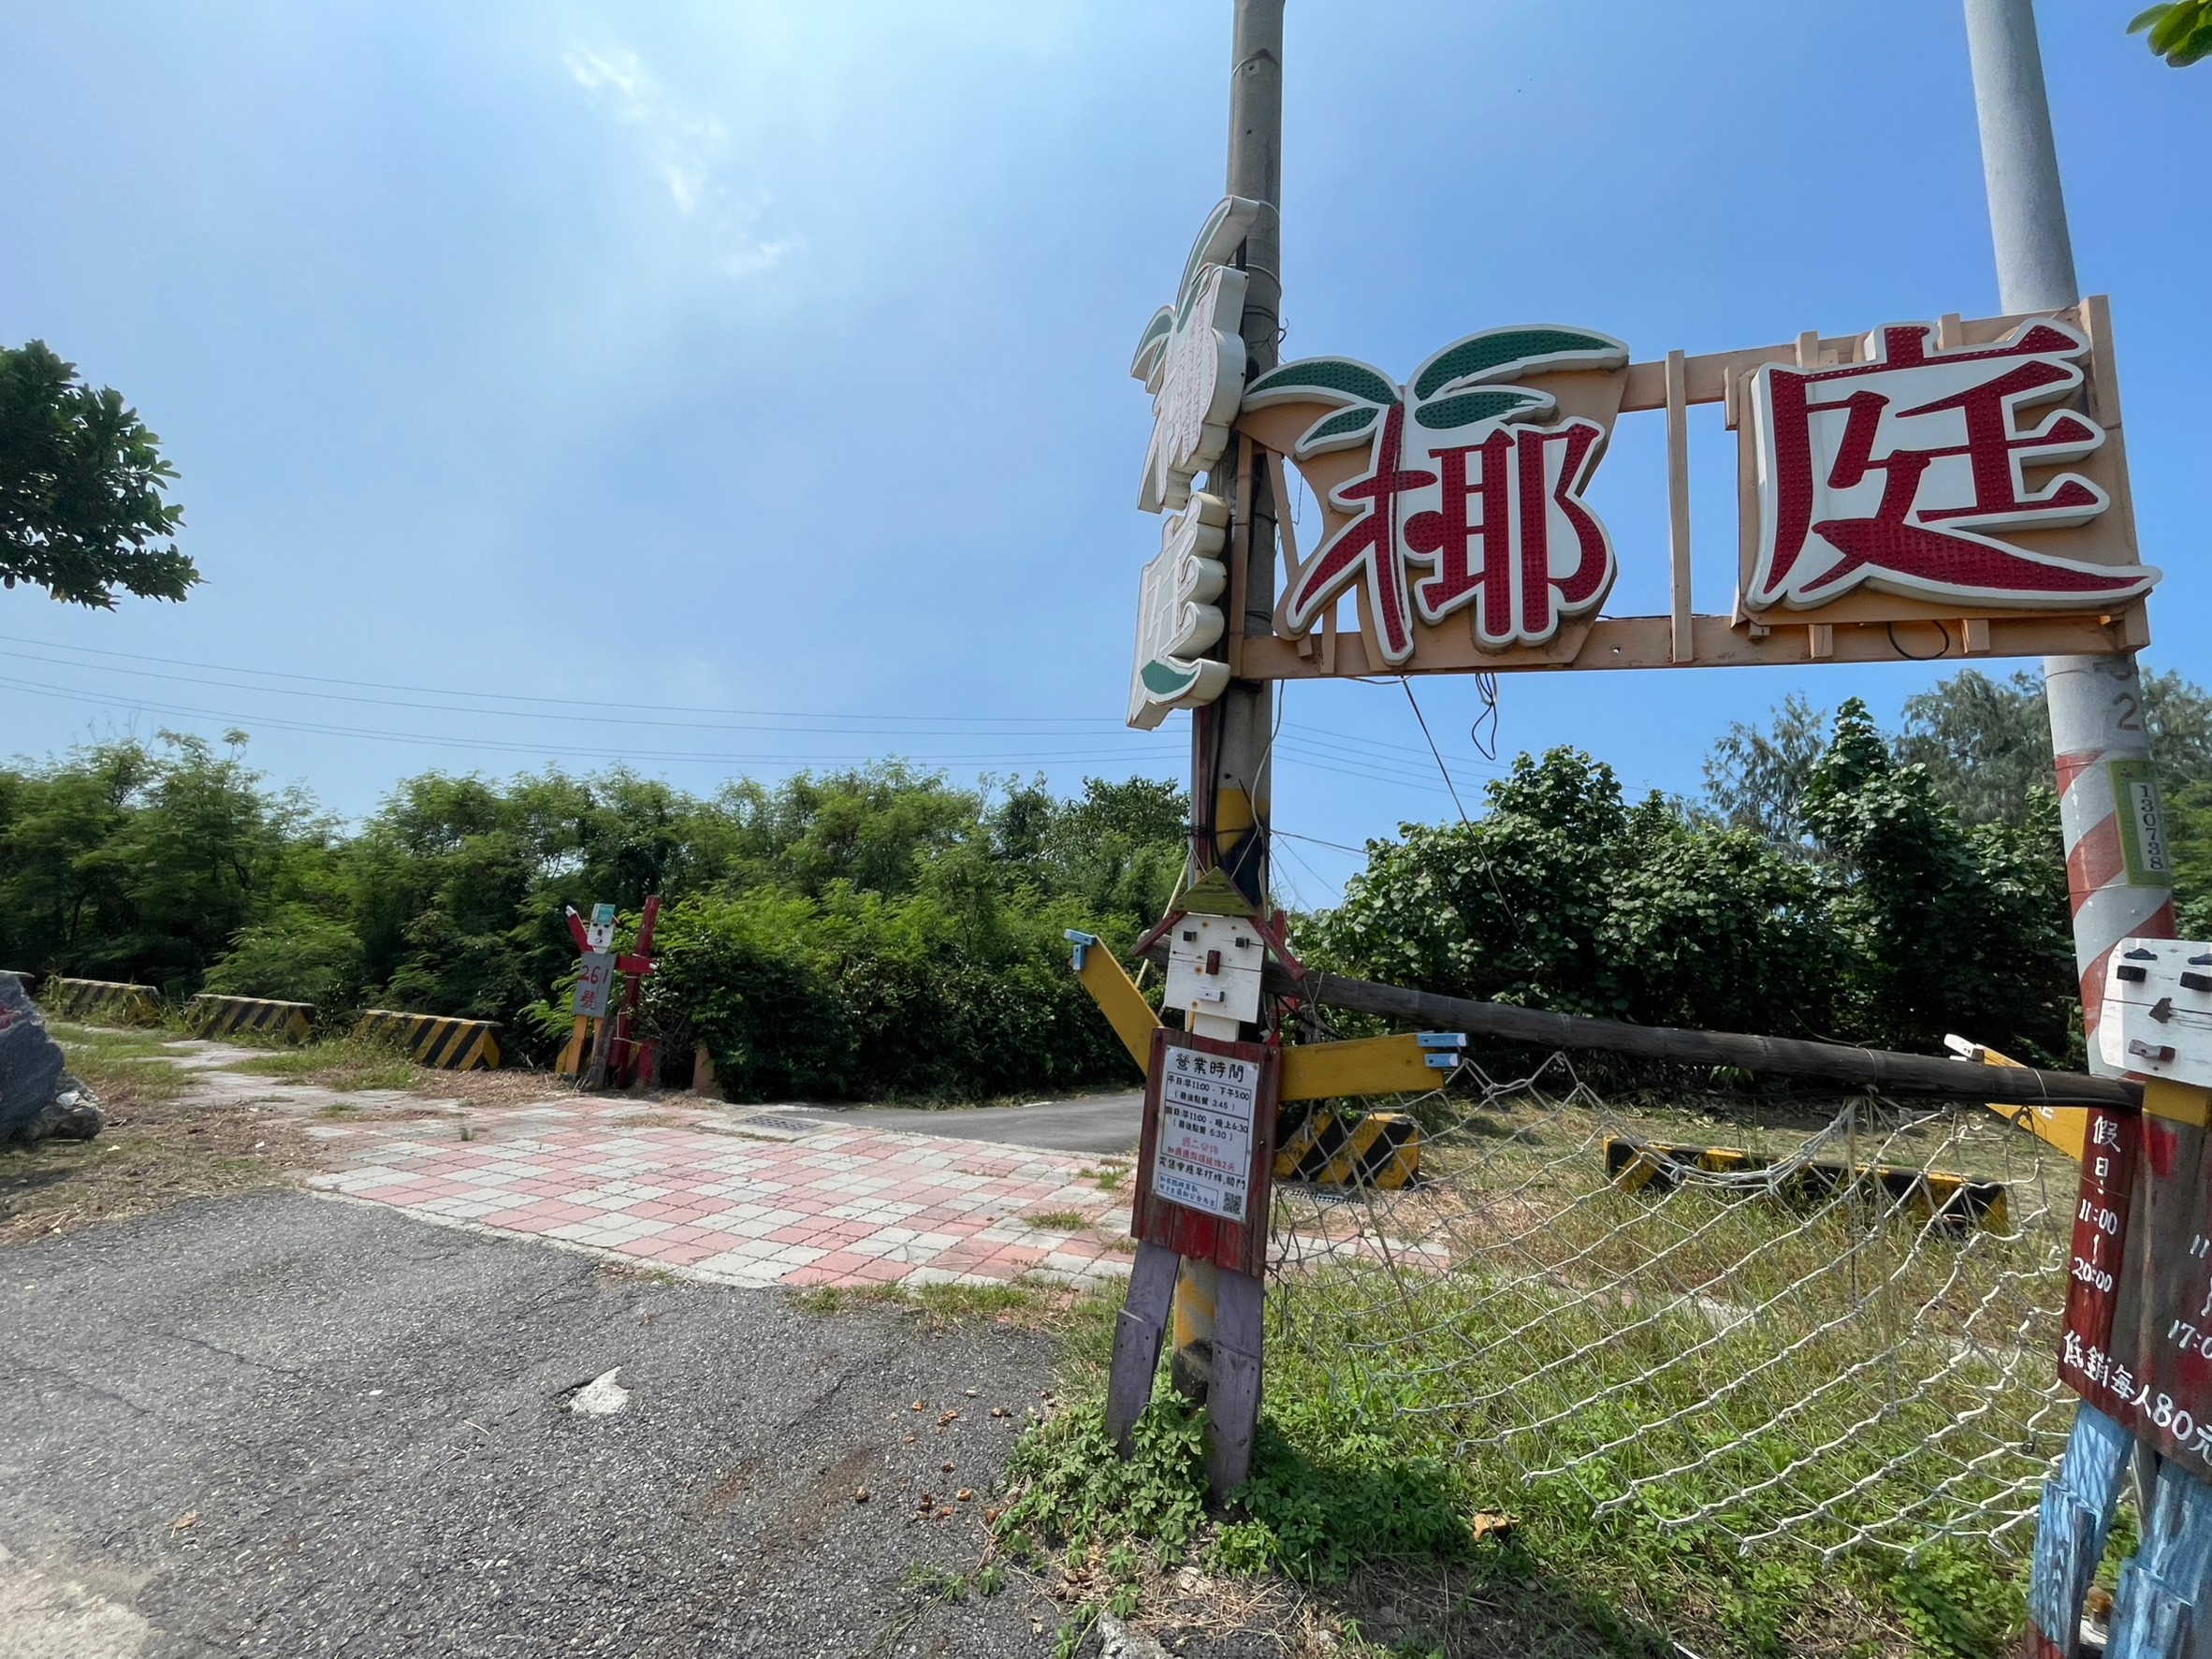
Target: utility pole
(2096, 703)
(1229, 737)
(2096, 712)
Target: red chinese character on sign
(1461, 483)
(1889, 472)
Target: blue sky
(693, 360)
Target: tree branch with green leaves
(82, 509)
(2181, 32)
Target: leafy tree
(2181, 32)
(1945, 928)
(1756, 780)
(295, 954)
(81, 512)
(130, 862)
(1562, 895)
(1986, 743)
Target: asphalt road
(287, 1424)
(1099, 1126)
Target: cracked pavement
(283, 1423)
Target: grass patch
(1056, 1220)
(101, 1043)
(344, 1063)
(125, 1069)
(1027, 1303)
(1707, 1365)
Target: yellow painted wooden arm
(1311, 1071)
(2067, 1127)
(1117, 995)
(1363, 1066)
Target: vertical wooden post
(571, 1055)
(1137, 1333)
(1233, 1403)
(1678, 500)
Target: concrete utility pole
(2096, 710)
(1230, 770)
(2096, 703)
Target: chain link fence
(1836, 1333)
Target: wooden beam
(1137, 1333)
(1118, 999)
(1882, 1071)
(1681, 641)
(1364, 1065)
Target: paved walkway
(1101, 1126)
(758, 1198)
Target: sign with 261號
(1206, 1104)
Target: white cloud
(685, 150)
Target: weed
(344, 1063)
(952, 1304)
(1056, 1220)
(1021, 1302)
(936, 1583)
(1071, 1638)
(1955, 1606)
(990, 1580)
(845, 1298)
(1073, 1488)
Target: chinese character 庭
(1890, 471)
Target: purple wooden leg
(1240, 1308)
(1136, 1339)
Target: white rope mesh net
(1828, 1343)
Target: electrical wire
(1094, 722)
(1486, 688)
(1432, 750)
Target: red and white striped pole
(2115, 878)
(2108, 810)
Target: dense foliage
(1831, 883)
(885, 932)
(81, 512)
(876, 931)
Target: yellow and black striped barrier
(1956, 1202)
(1333, 1149)
(208, 1016)
(110, 1001)
(433, 1040)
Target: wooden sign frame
(1238, 1246)
(1861, 626)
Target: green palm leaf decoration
(1499, 403)
(1501, 353)
(1366, 389)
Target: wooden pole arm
(1881, 1070)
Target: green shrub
(296, 956)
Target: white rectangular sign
(1204, 1159)
(2158, 1010)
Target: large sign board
(1950, 489)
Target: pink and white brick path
(742, 1199)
